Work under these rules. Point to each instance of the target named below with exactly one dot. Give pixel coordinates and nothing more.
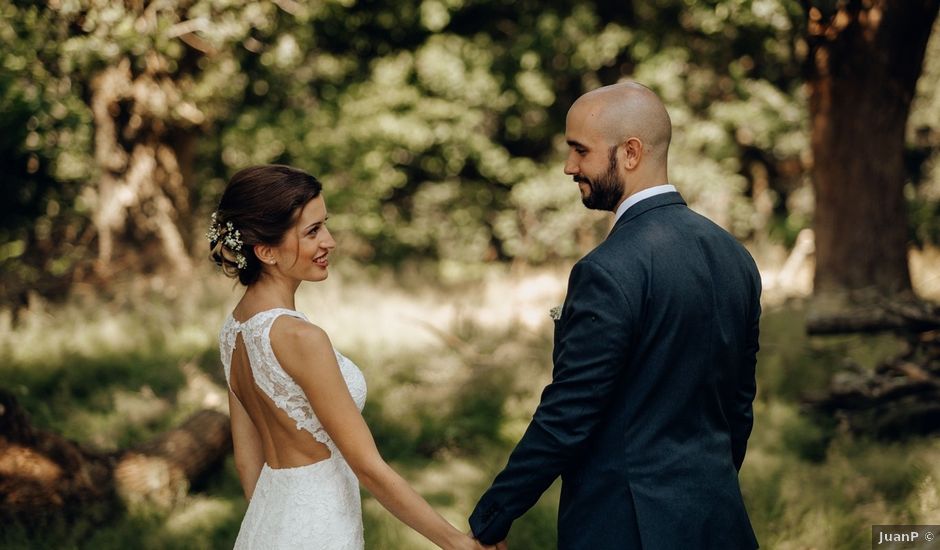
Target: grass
(807, 482)
(454, 374)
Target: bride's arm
(305, 352)
(249, 454)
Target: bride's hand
(470, 543)
(467, 542)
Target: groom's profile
(649, 410)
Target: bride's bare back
(304, 482)
(284, 445)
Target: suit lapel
(645, 206)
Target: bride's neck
(270, 294)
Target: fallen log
(898, 398)
(882, 315)
(43, 474)
(163, 469)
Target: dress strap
(268, 374)
(249, 328)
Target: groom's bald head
(627, 110)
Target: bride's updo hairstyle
(258, 206)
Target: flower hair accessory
(230, 237)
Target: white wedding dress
(309, 507)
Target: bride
(301, 445)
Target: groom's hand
(501, 545)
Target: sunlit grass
(455, 371)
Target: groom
(649, 410)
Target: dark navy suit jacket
(649, 410)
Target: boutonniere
(555, 313)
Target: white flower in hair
(230, 237)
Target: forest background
(437, 129)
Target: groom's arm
(741, 411)
(590, 353)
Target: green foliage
(448, 143)
(45, 152)
(436, 125)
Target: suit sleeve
(742, 409)
(590, 354)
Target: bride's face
(304, 252)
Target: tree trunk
(862, 67)
(141, 186)
(44, 474)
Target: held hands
(465, 542)
(471, 543)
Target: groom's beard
(605, 191)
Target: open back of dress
(314, 506)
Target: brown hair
(261, 203)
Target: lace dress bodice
(271, 378)
(313, 506)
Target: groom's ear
(630, 153)
(265, 253)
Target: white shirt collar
(641, 195)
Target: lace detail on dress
(305, 508)
(271, 377)
(313, 506)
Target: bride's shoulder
(294, 339)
